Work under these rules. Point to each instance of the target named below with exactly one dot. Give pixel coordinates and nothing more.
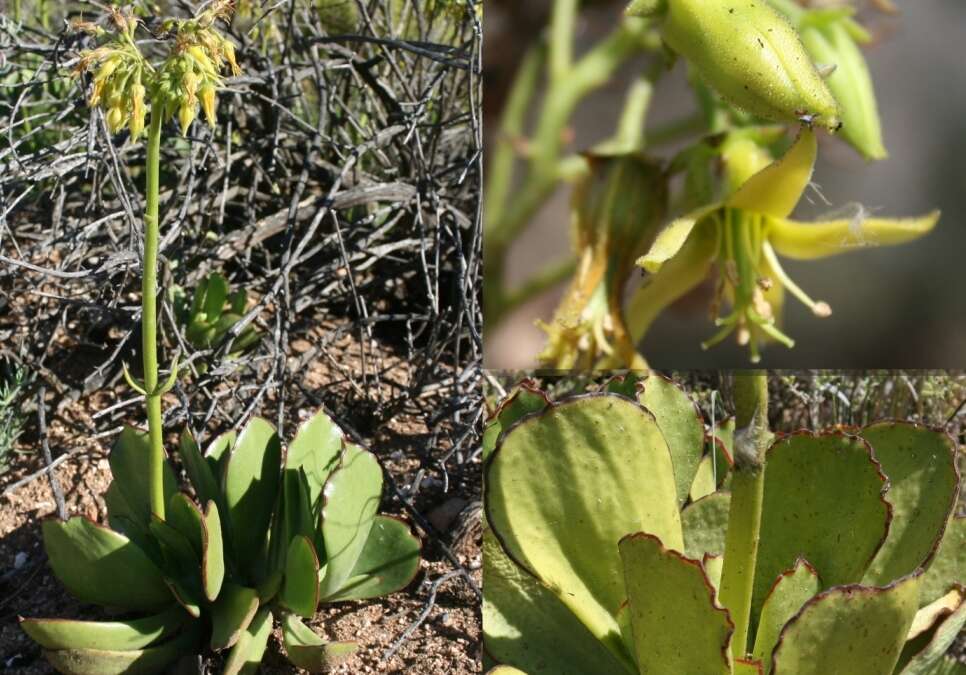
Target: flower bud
(186, 115)
(229, 50)
(136, 122)
(189, 84)
(115, 119)
(752, 56)
(208, 102)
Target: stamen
(820, 309)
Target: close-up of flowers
(775, 85)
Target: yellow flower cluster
(191, 75)
(188, 79)
(119, 72)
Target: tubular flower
(831, 37)
(750, 54)
(742, 237)
(617, 210)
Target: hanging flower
(742, 237)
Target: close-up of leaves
(761, 127)
(737, 523)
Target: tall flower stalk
(187, 79)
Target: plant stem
(149, 316)
(747, 492)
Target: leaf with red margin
(790, 592)
(676, 622)
(823, 501)
(920, 464)
(851, 629)
(680, 421)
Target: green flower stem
(149, 315)
(747, 492)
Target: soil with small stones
(446, 640)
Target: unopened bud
(208, 102)
(753, 57)
(186, 115)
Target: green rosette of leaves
(625, 535)
(259, 539)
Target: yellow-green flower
(743, 235)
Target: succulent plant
(626, 536)
(213, 311)
(264, 539)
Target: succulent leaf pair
(264, 539)
(607, 528)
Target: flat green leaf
(930, 657)
(315, 449)
(352, 496)
(790, 592)
(238, 301)
(677, 625)
(307, 650)
(180, 558)
(704, 479)
(213, 553)
(184, 516)
(217, 454)
(294, 517)
(921, 466)
(108, 635)
(524, 624)
(300, 590)
(851, 629)
(680, 422)
(199, 471)
(231, 614)
(100, 566)
(523, 400)
(130, 466)
(129, 521)
(388, 562)
(948, 565)
(251, 485)
(565, 485)
(247, 653)
(713, 566)
(705, 523)
(186, 594)
(823, 502)
(216, 292)
(147, 661)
